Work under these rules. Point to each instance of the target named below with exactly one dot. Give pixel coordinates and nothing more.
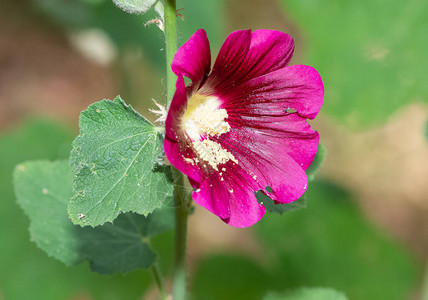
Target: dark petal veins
(265, 162)
(261, 163)
(272, 147)
(232, 200)
(298, 87)
(245, 55)
(290, 133)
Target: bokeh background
(365, 230)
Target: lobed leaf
(21, 259)
(43, 189)
(114, 165)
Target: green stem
(159, 282)
(181, 214)
(181, 203)
(171, 46)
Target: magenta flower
(242, 126)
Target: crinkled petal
(245, 55)
(175, 147)
(193, 59)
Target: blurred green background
(365, 231)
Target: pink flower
(242, 127)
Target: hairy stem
(171, 46)
(181, 214)
(181, 203)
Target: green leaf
(119, 247)
(48, 139)
(43, 189)
(308, 294)
(300, 203)
(114, 165)
(135, 6)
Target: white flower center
(204, 119)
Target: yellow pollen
(203, 117)
(212, 153)
(188, 160)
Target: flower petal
(175, 147)
(270, 145)
(290, 133)
(245, 55)
(231, 200)
(298, 87)
(265, 162)
(193, 59)
(229, 193)
(176, 108)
